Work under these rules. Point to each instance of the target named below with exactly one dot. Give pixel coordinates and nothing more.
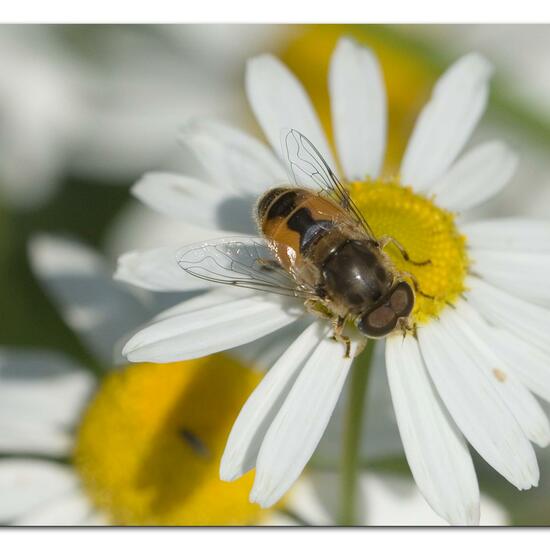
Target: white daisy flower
(126, 449)
(478, 349)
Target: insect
(316, 246)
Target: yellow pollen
(149, 445)
(426, 232)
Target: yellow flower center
(149, 446)
(426, 232)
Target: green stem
(352, 434)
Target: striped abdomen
(299, 220)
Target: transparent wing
(307, 166)
(240, 261)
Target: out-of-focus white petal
(234, 160)
(280, 103)
(210, 329)
(28, 483)
(137, 227)
(71, 509)
(157, 269)
(95, 519)
(23, 435)
(447, 121)
(41, 395)
(525, 320)
(264, 403)
(397, 502)
(358, 106)
(182, 198)
(509, 234)
(475, 405)
(524, 274)
(38, 131)
(479, 175)
(80, 283)
(436, 451)
(300, 422)
(523, 405)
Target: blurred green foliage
(80, 209)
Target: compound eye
(402, 300)
(378, 322)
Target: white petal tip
(259, 60)
(127, 352)
(228, 472)
(131, 350)
(349, 43)
(469, 515)
(124, 267)
(479, 64)
(530, 480)
(260, 501)
(262, 494)
(141, 186)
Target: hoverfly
(316, 246)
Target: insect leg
(416, 285)
(387, 239)
(316, 306)
(338, 325)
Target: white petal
(530, 364)
(509, 234)
(300, 423)
(518, 399)
(264, 403)
(137, 227)
(476, 177)
(264, 352)
(80, 283)
(436, 451)
(216, 296)
(26, 483)
(398, 503)
(41, 396)
(18, 435)
(359, 112)
(210, 329)
(182, 198)
(447, 121)
(72, 508)
(475, 405)
(525, 320)
(380, 435)
(234, 160)
(280, 103)
(157, 269)
(95, 519)
(523, 274)
(309, 499)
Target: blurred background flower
(85, 110)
